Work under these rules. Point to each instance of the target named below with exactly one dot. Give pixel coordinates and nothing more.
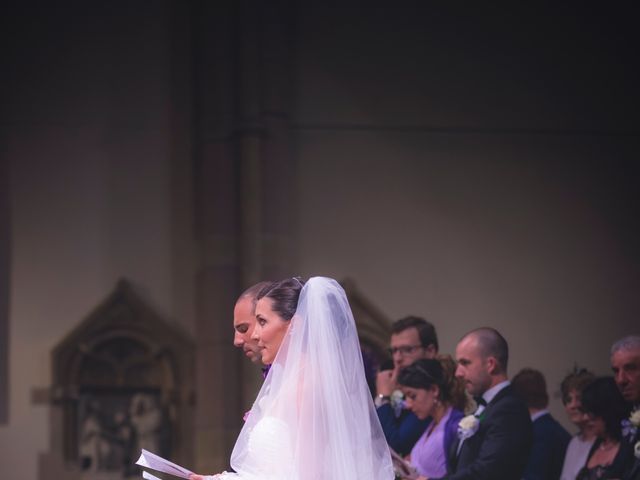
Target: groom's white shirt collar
(493, 391)
(488, 396)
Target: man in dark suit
(550, 439)
(496, 443)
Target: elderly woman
(432, 391)
(580, 444)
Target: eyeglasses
(403, 350)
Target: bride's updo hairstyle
(314, 417)
(284, 294)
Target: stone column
(5, 232)
(279, 193)
(218, 276)
(264, 150)
(244, 186)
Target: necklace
(604, 446)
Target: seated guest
(412, 338)
(432, 391)
(550, 440)
(580, 444)
(609, 457)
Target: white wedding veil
(314, 418)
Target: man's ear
(431, 351)
(492, 365)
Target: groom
(498, 441)
(244, 320)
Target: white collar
(538, 414)
(493, 391)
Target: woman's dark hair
(426, 372)
(601, 398)
(423, 373)
(426, 331)
(284, 294)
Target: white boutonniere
(630, 425)
(397, 402)
(636, 449)
(468, 426)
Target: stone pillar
(218, 383)
(5, 232)
(244, 186)
(279, 193)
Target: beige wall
(504, 242)
(93, 184)
(465, 171)
(473, 182)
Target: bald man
(496, 441)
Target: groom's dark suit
(500, 448)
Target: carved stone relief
(122, 381)
(374, 330)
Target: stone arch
(374, 330)
(122, 366)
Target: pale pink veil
(314, 418)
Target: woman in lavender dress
(431, 390)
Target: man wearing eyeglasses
(412, 338)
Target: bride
(313, 418)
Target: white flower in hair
(468, 426)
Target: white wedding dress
(269, 448)
(314, 418)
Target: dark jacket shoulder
(499, 449)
